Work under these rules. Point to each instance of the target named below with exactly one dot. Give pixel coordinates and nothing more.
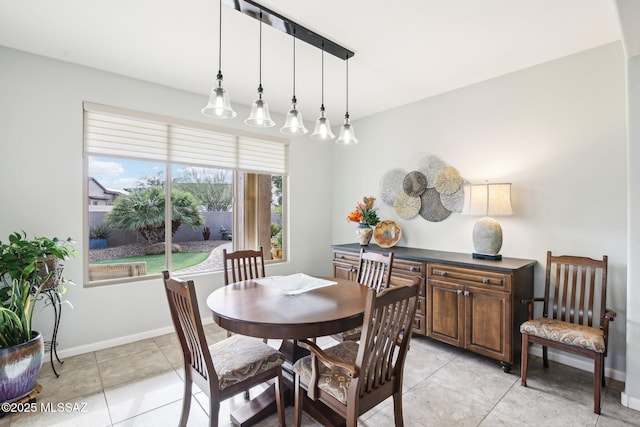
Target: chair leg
(298, 402)
(524, 360)
(186, 400)
(280, 397)
(545, 356)
(597, 377)
(397, 408)
(214, 412)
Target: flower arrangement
(365, 213)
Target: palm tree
(143, 211)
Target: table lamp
(488, 200)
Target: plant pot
(97, 243)
(276, 253)
(364, 233)
(19, 368)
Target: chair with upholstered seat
(350, 378)
(374, 271)
(224, 369)
(574, 315)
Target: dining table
(261, 308)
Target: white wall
(556, 131)
(41, 170)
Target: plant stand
(52, 346)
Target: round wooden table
(249, 308)
(252, 309)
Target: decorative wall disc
(415, 183)
(391, 184)
(406, 206)
(448, 180)
(430, 166)
(432, 208)
(454, 202)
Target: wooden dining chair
(350, 378)
(574, 315)
(243, 265)
(374, 271)
(224, 369)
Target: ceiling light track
(286, 25)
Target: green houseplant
(27, 266)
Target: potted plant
(98, 236)
(26, 268)
(276, 245)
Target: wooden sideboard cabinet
(470, 303)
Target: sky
(120, 174)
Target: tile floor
(140, 384)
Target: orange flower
(364, 212)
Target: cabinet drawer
(420, 325)
(346, 257)
(473, 277)
(408, 268)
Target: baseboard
(630, 401)
(101, 345)
(582, 363)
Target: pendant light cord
(294, 64)
(322, 79)
(260, 54)
(347, 97)
(220, 42)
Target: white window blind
(110, 131)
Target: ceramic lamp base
(487, 239)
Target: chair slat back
(185, 315)
(575, 289)
(387, 329)
(243, 265)
(374, 269)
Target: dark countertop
(428, 255)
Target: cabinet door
(487, 323)
(345, 265)
(445, 303)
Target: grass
(156, 263)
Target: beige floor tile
(89, 411)
(75, 381)
(136, 398)
(125, 350)
(134, 367)
(533, 407)
(167, 339)
(167, 415)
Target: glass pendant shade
(322, 131)
(219, 106)
(294, 125)
(347, 134)
(260, 116)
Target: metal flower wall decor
(433, 191)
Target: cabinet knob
(341, 256)
(467, 293)
(459, 292)
(443, 273)
(413, 269)
(485, 281)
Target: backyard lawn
(156, 263)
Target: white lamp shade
(487, 200)
(219, 106)
(260, 116)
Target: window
(225, 190)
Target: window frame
(246, 160)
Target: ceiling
(404, 51)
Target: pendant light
(347, 134)
(260, 116)
(294, 125)
(322, 131)
(219, 106)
